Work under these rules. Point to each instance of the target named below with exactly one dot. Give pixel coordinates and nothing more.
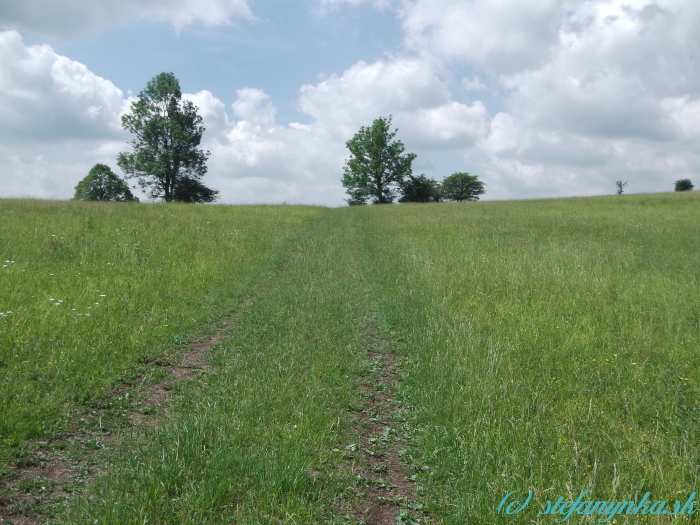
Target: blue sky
(290, 44)
(544, 98)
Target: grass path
(74, 372)
(34, 487)
(254, 439)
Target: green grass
(553, 345)
(548, 345)
(253, 441)
(95, 287)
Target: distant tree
(462, 187)
(102, 184)
(620, 186)
(165, 157)
(377, 166)
(420, 189)
(684, 185)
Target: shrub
(684, 185)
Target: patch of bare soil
(387, 490)
(46, 474)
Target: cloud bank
(66, 18)
(559, 98)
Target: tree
(620, 186)
(420, 189)
(165, 157)
(684, 185)
(191, 190)
(462, 187)
(102, 184)
(377, 165)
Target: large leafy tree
(377, 166)
(165, 157)
(102, 184)
(462, 187)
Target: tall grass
(88, 289)
(253, 441)
(550, 345)
(546, 345)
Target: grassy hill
(543, 345)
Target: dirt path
(388, 495)
(190, 363)
(47, 474)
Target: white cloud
(69, 17)
(38, 177)
(255, 108)
(366, 91)
(303, 162)
(594, 90)
(57, 119)
(583, 93)
(408, 89)
(496, 35)
(213, 111)
(46, 97)
(451, 125)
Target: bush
(684, 185)
(420, 189)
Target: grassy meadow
(88, 291)
(549, 345)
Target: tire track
(387, 491)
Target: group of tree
(457, 187)
(378, 172)
(680, 185)
(165, 158)
(167, 163)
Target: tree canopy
(191, 190)
(165, 157)
(462, 187)
(377, 166)
(102, 184)
(420, 189)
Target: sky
(545, 98)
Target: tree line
(379, 172)
(167, 163)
